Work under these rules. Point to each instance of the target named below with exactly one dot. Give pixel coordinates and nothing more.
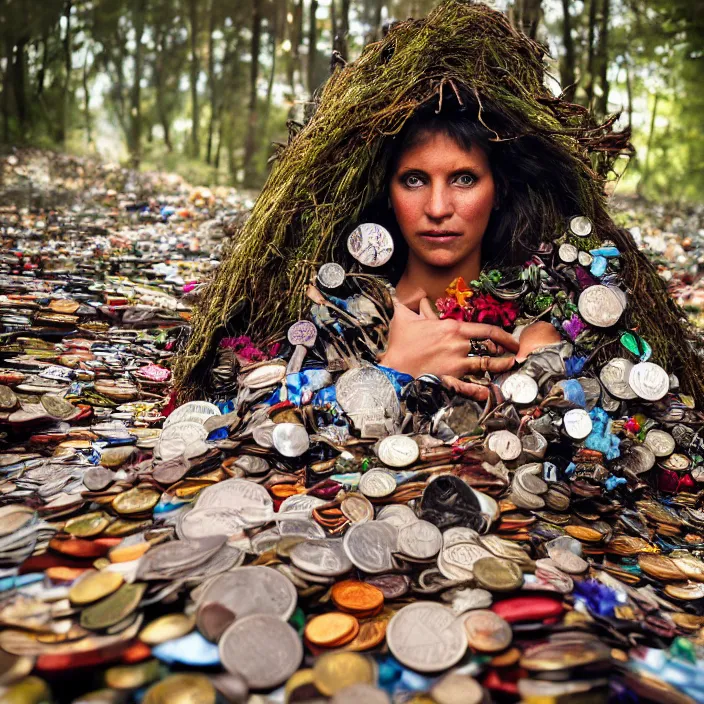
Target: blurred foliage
(205, 87)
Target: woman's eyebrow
(462, 170)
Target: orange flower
(459, 290)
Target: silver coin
(398, 515)
(251, 501)
(638, 459)
(678, 462)
(290, 439)
(650, 381)
(263, 649)
(581, 226)
(303, 333)
(577, 423)
(568, 253)
(660, 442)
(331, 275)
(251, 464)
(301, 528)
(263, 434)
(367, 389)
(505, 444)
(371, 244)
(262, 376)
(426, 637)
(456, 560)
(377, 483)
(300, 504)
(455, 688)
(600, 306)
(183, 439)
(520, 388)
(585, 259)
(172, 558)
(204, 522)
(398, 451)
(370, 545)
(326, 558)
(420, 540)
(252, 590)
(193, 411)
(614, 376)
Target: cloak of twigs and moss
(335, 166)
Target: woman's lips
(439, 236)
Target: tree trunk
(312, 45)
(195, 115)
(6, 87)
(138, 12)
(629, 91)
(273, 36)
(41, 74)
(250, 141)
(646, 167)
(18, 84)
(376, 19)
(86, 101)
(591, 34)
(568, 62)
(602, 104)
(344, 29)
(211, 81)
(66, 100)
(527, 16)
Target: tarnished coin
(331, 275)
(677, 462)
(661, 567)
(290, 439)
(568, 253)
(567, 561)
(577, 423)
(370, 545)
(58, 407)
(262, 648)
(252, 590)
(8, 398)
(136, 500)
(94, 586)
(181, 688)
(377, 483)
(357, 508)
(303, 332)
(193, 412)
(520, 388)
(87, 525)
(426, 637)
(114, 608)
(420, 540)
(649, 381)
(370, 244)
(505, 444)
(455, 688)
(660, 442)
(167, 627)
(614, 376)
(600, 306)
(486, 631)
(326, 558)
(581, 226)
(213, 619)
(398, 451)
(497, 575)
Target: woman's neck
(434, 280)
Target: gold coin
(301, 678)
(687, 591)
(335, 671)
(137, 500)
(94, 586)
(127, 553)
(122, 527)
(14, 667)
(497, 575)
(691, 567)
(113, 608)
(30, 690)
(334, 628)
(589, 535)
(626, 545)
(689, 622)
(88, 525)
(132, 676)
(181, 689)
(166, 627)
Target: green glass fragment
(636, 345)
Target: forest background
(205, 87)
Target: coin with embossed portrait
(370, 244)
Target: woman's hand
(420, 343)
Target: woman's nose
(439, 203)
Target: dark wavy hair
(534, 181)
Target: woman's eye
(412, 181)
(466, 179)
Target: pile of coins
(319, 527)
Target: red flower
(488, 310)
(449, 308)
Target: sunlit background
(203, 87)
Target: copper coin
(330, 629)
(661, 567)
(487, 632)
(352, 595)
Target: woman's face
(442, 196)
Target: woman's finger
(485, 363)
(465, 388)
(480, 331)
(427, 310)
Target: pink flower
(488, 310)
(449, 308)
